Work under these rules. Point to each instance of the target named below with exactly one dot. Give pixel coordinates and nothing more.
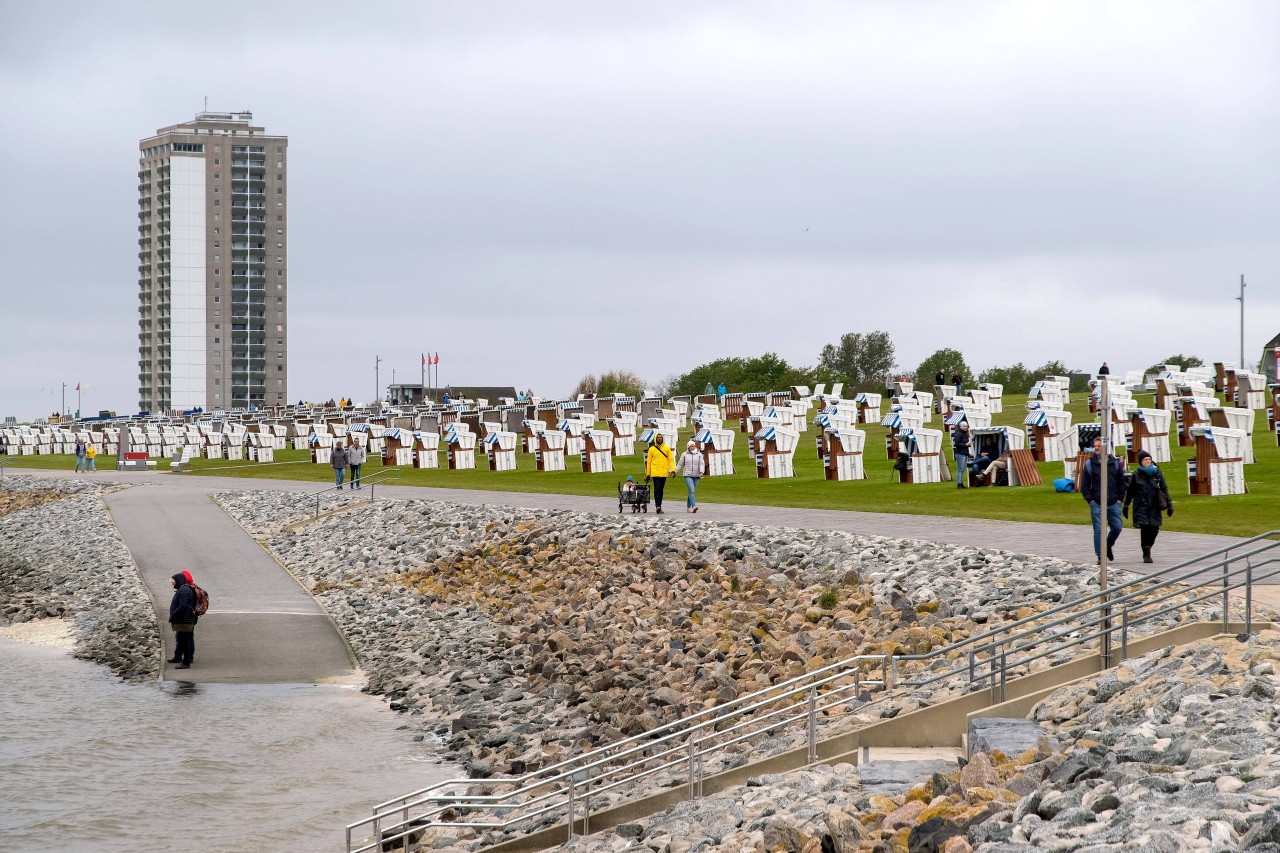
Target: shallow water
(88, 763)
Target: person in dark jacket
(940, 378)
(1104, 370)
(1091, 491)
(1148, 495)
(958, 381)
(339, 462)
(960, 447)
(182, 619)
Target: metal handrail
(981, 661)
(372, 481)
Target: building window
(217, 189)
(217, 340)
(217, 299)
(217, 313)
(279, 315)
(217, 202)
(279, 341)
(279, 260)
(217, 244)
(217, 272)
(216, 161)
(279, 205)
(279, 300)
(216, 176)
(216, 326)
(279, 164)
(217, 257)
(279, 273)
(279, 149)
(279, 218)
(279, 245)
(217, 381)
(279, 368)
(279, 190)
(217, 148)
(279, 355)
(279, 382)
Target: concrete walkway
(262, 627)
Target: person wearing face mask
(1148, 495)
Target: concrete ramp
(262, 627)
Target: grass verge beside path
(1238, 515)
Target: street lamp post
(1240, 299)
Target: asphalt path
(262, 626)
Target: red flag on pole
(77, 386)
(437, 359)
(424, 359)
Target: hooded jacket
(1142, 492)
(660, 461)
(1091, 481)
(182, 607)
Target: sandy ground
(41, 632)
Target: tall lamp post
(377, 381)
(1104, 466)
(1240, 299)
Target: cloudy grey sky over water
(541, 190)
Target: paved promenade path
(262, 627)
(266, 628)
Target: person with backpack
(182, 619)
(659, 464)
(1148, 494)
(1091, 491)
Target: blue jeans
(355, 476)
(92, 463)
(1114, 525)
(338, 474)
(692, 484)
(962, 467)
(80, 462)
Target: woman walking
(692, 465)
(1148, 494)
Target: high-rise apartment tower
(213, 290)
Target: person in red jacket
(182, 619)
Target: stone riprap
(522, 637)
(1177, 750)
(61, 557)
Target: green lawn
(1239, 515)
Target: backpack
(201, 606)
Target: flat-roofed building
(213, 284)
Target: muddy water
(90, 764)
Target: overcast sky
(543, 190)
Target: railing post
(813, 724)
(1124, 633)
(571, 807)
(693, 761)
(1004, 671)
(1248, 596)
(973, 668)
(1226, 595)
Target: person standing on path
(692, 465)
(958, 381)
(90, 454)
(339, 463)
(1091, 491)
(182, 619)
(659, 464)
(960, 447)
(1148, 494)
(356, 456)
(80, 451)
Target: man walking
(960, 447)
(80, 460)
(1091, 491)
(182, 619)
(355, 458)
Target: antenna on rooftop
(206, 103)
